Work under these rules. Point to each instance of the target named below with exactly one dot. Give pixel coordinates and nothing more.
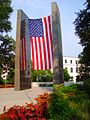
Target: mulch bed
(7, 86)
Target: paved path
(9, 97)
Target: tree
(7, 44)
(66, 75)
(7, 51)
(5, 12)
(7, 55)
(82, 30)
(42, 75)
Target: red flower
(30, 111)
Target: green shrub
(2, 82)
(42, 75)
(86, 85)
(69, 103)
(83, 109)
(66, 75)
(59, 109)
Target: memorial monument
(23, 50)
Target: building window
(76, 62)
(76, 70)
(71, 78)
(65, 61)
(71, 70)
(70, 61)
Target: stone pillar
(57, 46)
(22, 76)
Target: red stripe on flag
(44, 53)
(32, 52)
(36, 53)
(49, 21)
(47, 41)
(40, 52)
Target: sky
(40, 8)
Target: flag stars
(36, 27)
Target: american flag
(41, 43)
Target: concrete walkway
(9, 97)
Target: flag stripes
(41, 43)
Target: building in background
(72, 65)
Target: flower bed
(30, 111)
(6, 86)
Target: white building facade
(71, 64)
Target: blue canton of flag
(36, 27)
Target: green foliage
(5, 12)
(82, 27)
(10, 77)
(59, 108)
(66, 75)
(42, 75)
(87, 86)
(7, 53)
(2, 82)
(7, 44)
(69, 103)
(1, 71)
